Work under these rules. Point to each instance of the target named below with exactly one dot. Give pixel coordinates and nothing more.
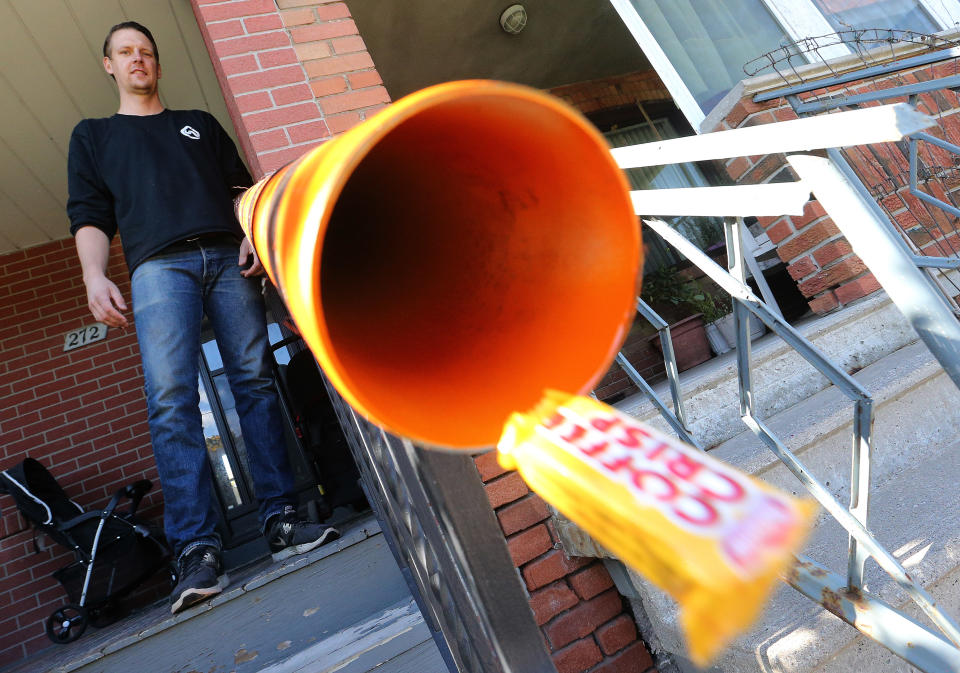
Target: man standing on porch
(165, 180)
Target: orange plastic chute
(451, 258)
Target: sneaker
(289, 535)
(201, 576)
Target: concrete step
(343, 607)
(914, 514)
(853, 339)
(915, 414)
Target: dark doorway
(321, 464)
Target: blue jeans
(171, 292)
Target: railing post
(452, 483)
(443, 532)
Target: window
(847, 14)
(708, 41)
(226, 449)
(699, 47)
(704, 232)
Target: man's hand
(253, 268)
(105, 301)
(103, 297)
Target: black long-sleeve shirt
(156, 179)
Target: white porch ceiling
(415, 43)
(51, 77)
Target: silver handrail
(893, 266)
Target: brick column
(294, 73)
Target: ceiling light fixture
(513, 19)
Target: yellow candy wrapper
(712, 537)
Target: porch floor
(147, 622)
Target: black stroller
(114, 552)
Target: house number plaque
(84, 335)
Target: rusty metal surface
(875, 619)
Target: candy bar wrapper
(712, 537)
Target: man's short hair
(136, 26)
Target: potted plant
(729, 332)
(669, 293)
(715, 308)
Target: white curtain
(709, 41)
(704, 232)
(883, 14)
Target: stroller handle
(134, 492)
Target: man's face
(132, 62)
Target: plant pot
(729, 332)
(718, 344)
(690, 345)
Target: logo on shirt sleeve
(190, 132)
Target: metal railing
(892, 264)
(920, 81)
(438, 522)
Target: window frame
(798, 18)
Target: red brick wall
(586, 624)
(294, 73)
(819, 258)
(613, 92)
(81, 413)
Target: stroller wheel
(66, 624)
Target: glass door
(227, 451)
